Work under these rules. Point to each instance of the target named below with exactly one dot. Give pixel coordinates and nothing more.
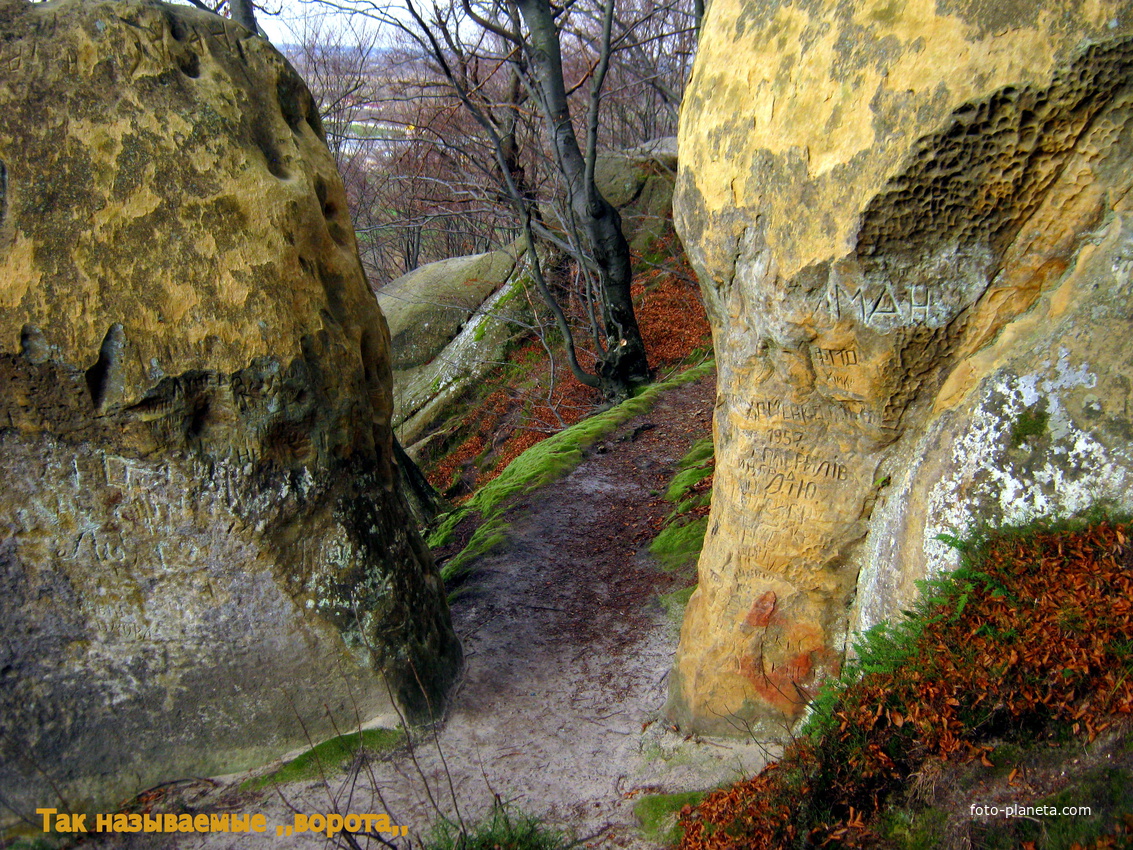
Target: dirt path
(567, 657)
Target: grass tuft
(503, 829)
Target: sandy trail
(567, 654)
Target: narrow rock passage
(567, 657)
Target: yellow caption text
(330, 825)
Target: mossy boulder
(427, 307)
(203, 554)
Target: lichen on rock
(888, 207)
(204, 556)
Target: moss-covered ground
(539, 465)
(330, 757)
(659, 813)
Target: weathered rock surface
(450, 323)
(427, 307)
(429, 394)
(639, 183)
(912, 227)
(202, 548)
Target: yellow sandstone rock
(203, 554)
(910, 228)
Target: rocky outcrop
(203, 555)
(428, 395)
(638, 182)
(913, 231)
(452, 321)
(427, 307)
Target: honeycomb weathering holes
(974, 181)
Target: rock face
(201, 545)
(639, 183)
(427, 307)
(913, 230)
(428, 395)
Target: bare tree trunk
(624, 362)
(424, 501)
(243, 12)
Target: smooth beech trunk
(624, 361)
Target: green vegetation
(658, 813)
(330, 757)
(375, 131)
(40, 843)
(988, 662)
(541, 464)
(675, 602)
(679, 542)
(678, 545)
(914, 830)
(1104, 790)
(504, 829)
(1031, 422)
(486, 537)
(694, 468)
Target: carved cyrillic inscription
(834, 358)
(879, 301)
(758, 412)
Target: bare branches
(460, 132)
(492, 26)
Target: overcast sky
(287, 27)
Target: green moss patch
(679, 545)
(658, 814)
(1031, 423)
(679, 542)
(676, 601)
(330, 757)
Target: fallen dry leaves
(1043, 641)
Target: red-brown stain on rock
(762, 610)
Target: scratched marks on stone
(757, 413)
(880, 302)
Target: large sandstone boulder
(913, 230)
(428, 398)
(427, 307)
(203, 555)
(450, 324)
